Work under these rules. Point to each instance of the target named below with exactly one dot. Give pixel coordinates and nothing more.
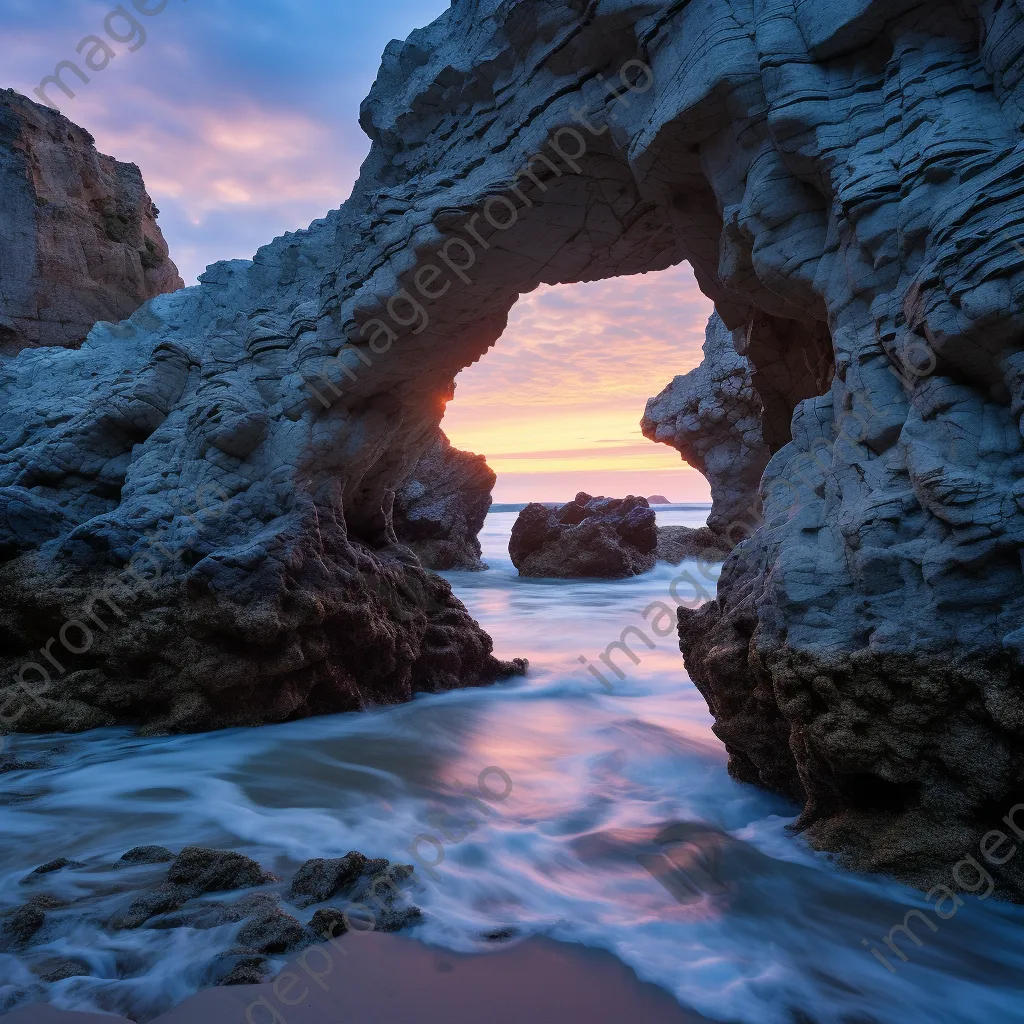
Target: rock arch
(842, 177)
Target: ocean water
(593, 812)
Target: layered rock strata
(712, 417)
(845, 178)
(440, 510)
(606, 538)
(79, 241)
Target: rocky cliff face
(79, 240)
(845, 178)
(712, 417)
(440, 509)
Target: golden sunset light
(556, 404)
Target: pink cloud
(556, 404)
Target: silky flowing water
(760, 930)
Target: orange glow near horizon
(556, 405)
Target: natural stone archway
(837, 169)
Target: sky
(244, 120)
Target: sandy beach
(388, 979)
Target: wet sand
(389, 979)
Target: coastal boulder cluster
(845, 178)
(198, 890)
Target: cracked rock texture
(844, 176)
(712, 417)
(607, 538)
(440, 510)
(79, 240)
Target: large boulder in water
(609, 538)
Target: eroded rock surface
(844, 176)
(440, 510)
(606, 538)
(677, 543)
(712, 417)
(79, 241)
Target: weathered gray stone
(440, 509)
(275, 932)
(49, 868)
(147, 855)
(79, 240)
(844, 176)
(23, 924)
(712, 417)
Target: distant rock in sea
(658, 499)
(607, 538)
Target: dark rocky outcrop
(194, 872)
(24, 923)
(607, 538)
(147, 855)
(440, 509)
(320, 879)
(365, 893)
(49, 868)
(274, 932)
(79, 240)
(863, 239)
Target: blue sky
(242, 115)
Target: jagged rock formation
(845, 178)
(79, 240)
(712, 417)
(440, 509)
(606, 538)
